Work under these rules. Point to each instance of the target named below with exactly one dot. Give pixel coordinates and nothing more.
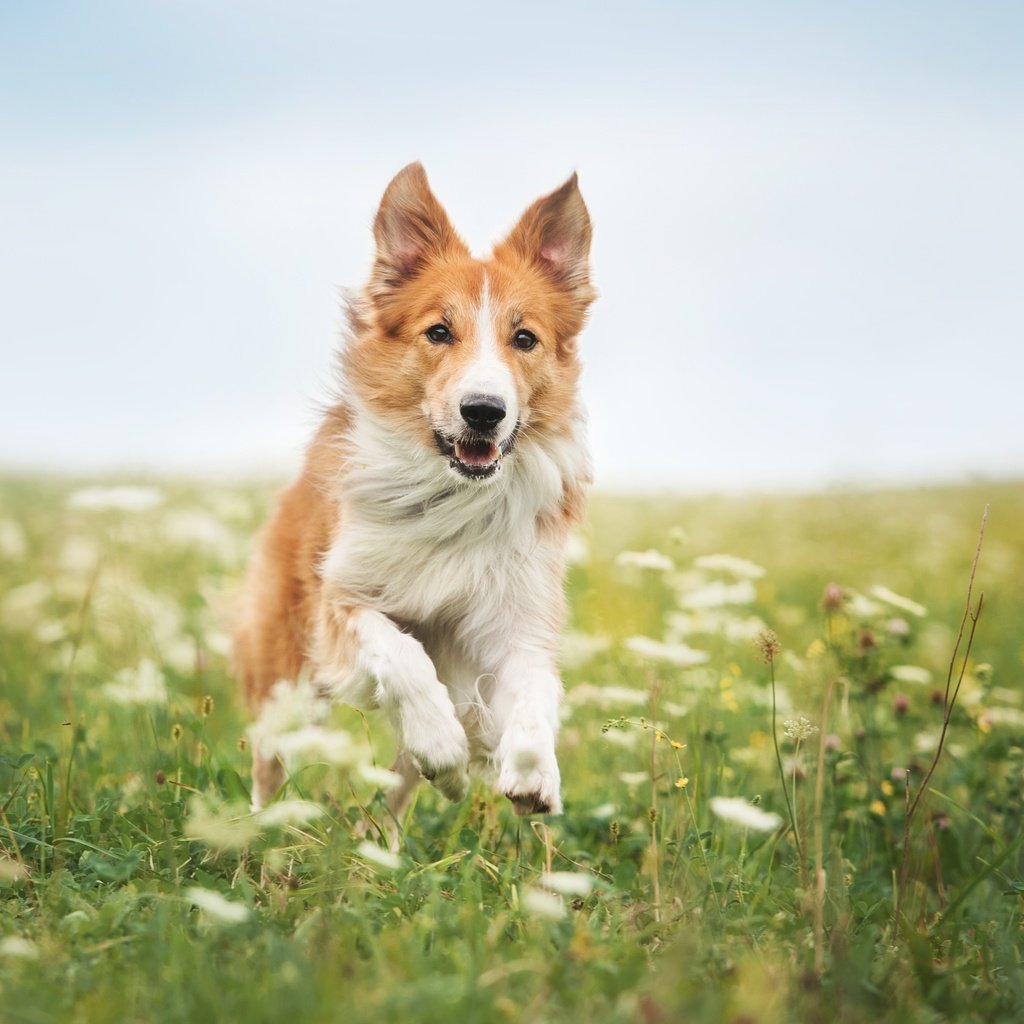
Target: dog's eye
(524, 340)
(439, 334)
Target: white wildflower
(21, 607)
(11, 871)
(308, 745)
(16, 946)
(13, 545)
(579, 648)
(649, 559)
(79, 557)
(142, 685)
(196, 528)
(911, 674)
(898, 601)
(217, 907)
(730, 564)
(603, 812)
(673, 653)
(567, 883)
(539, 903)
(124, 498)
(737, 811)
(799, 729)
(221, 827)
(861, 607)
(290, 812)
(378, 856)
(716, 594)
(577, 551)
(634, 778)
(1013, 717)
(380, 777)
(606, 696)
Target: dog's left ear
(555, 233)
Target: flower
(567, 883)
(142, 685)
(877, 807)
(737, 811)
(542, 904)
(649, 559)
(911, 674)
(124, 498)
(674, 654)
(380, 777)
(832, 598)
(799, 728)
(739, 567)
(216, 907)
(377, 856)
(898, 601)
(682, 782)
(290, 812)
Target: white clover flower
(381, 777)
(539, 903)
(577, 551)
(911, 674)
(378, 856)
(579, 648)
(673, 653)
(124, 498)
(216, 907)
(898, 601)
(16, 946)
(567, 883)
(308, 745)
(11, 871)
(649, 559)
(799, 728)
(290, 812)
(717, 594)
(737, 811)
(738, 567)
(220, 827)
(142, 685)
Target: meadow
(756, 691)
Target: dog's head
(473, 356)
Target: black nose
(482, 412)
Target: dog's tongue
(476, 453)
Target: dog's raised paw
(529, 803)
(452, 782)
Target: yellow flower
(725, 684)
(877, 807)
(676, 745)
(886, 787)
(816, 649)
(682, 782)
(759, 740)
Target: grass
(135, 887)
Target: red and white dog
(416, 564)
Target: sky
(809, 223)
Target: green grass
(115, 814)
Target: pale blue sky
(809, 222)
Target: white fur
(462, 566)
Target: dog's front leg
(364, 659)
(526, 700)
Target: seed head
(206, 708)
(769, 646)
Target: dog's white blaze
(488, 373)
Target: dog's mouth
(472, 456)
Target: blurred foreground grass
(134, 886)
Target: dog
(416, 564)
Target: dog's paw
(434, 737)
(528, 770)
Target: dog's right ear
(410, 227)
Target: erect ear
(410, 226)
(555, 233)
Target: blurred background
(809, 223)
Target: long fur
(391, 574)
